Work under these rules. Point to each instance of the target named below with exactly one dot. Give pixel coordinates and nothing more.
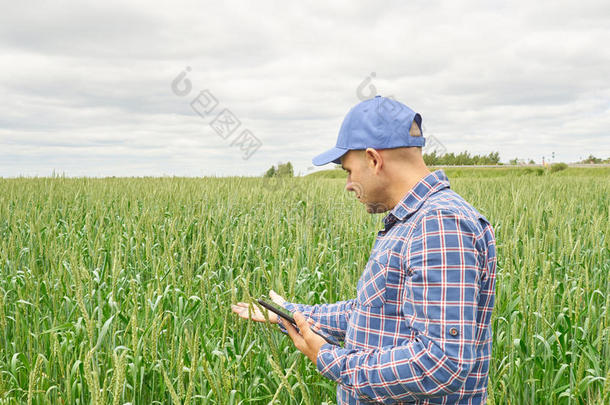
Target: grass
(119, 290)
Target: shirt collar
(411, 202)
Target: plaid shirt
(419, 329)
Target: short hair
(415, 130)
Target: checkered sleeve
(439, 302)
(332, 317)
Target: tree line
(461, 159)
(435, 159)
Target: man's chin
(376, 208)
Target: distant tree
(462, 159)
(285, 170)
(592, 159)
(431, 159)
(514, 161)
(557, 167)
(494, 157)
(270, 172)
(282, 170)
(531, 162)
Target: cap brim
(331, 155)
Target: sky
(230, 88)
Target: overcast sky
(87, 88)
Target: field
(118, 290)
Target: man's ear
(373, 159)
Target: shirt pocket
(372, 283)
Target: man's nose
(356, 188)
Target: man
(419, 329)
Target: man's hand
(250, 311)
(307, 342)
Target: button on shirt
(419, 329)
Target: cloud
(87, 85)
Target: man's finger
(293, 333)
(238, 309)
(302, 323)
(242, 311)
(251, 312)
(275, 297)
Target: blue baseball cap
(379, 123)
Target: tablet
(289, 318)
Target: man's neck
(405, 181)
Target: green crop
(119, 290)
